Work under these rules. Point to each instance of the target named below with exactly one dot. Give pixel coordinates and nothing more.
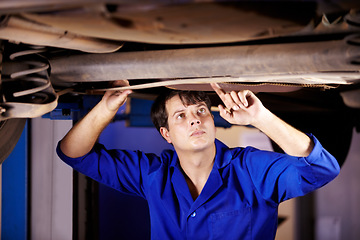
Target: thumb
(115, 99)
(224, 113)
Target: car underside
(302, 59)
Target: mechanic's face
(190, 128)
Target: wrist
(102, 113)
(263, 119)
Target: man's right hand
(82, 137)
(115, 99)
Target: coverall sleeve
(119, 169)
(279, 177)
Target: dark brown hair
(159, 115)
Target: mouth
(197, 133)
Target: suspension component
(27, 90)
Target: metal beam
(253, 61)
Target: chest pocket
(231, 225)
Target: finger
(225, 98)
(229, 101)
(120, 83)
(124, 93)
(121, 95)
(237, 101)
(118, 99)
(224, 113)
(218, 90)
(108, 93)
(244, 96)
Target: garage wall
(337, 204)
(51, 183)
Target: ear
(165, 134)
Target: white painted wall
(338, 203)
(51, 182)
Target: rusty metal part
(35, 66)
(296, 63)
(27, 93)
(36, 105)
(353, 19)
(17, 29)
(15, 6)
(351, 98)
(317, 80)
(178, 23)
(255, 87)
(11, 129)
(26, 110)
(1, 61)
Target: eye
(202, 110)
(180, 116)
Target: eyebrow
(178, 111)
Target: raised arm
(82, 137)
(244, 108)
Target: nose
(194, 120)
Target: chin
(203, 144)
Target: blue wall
(15, 192)
(122, 216)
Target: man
(203, 189)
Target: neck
(196, 169)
